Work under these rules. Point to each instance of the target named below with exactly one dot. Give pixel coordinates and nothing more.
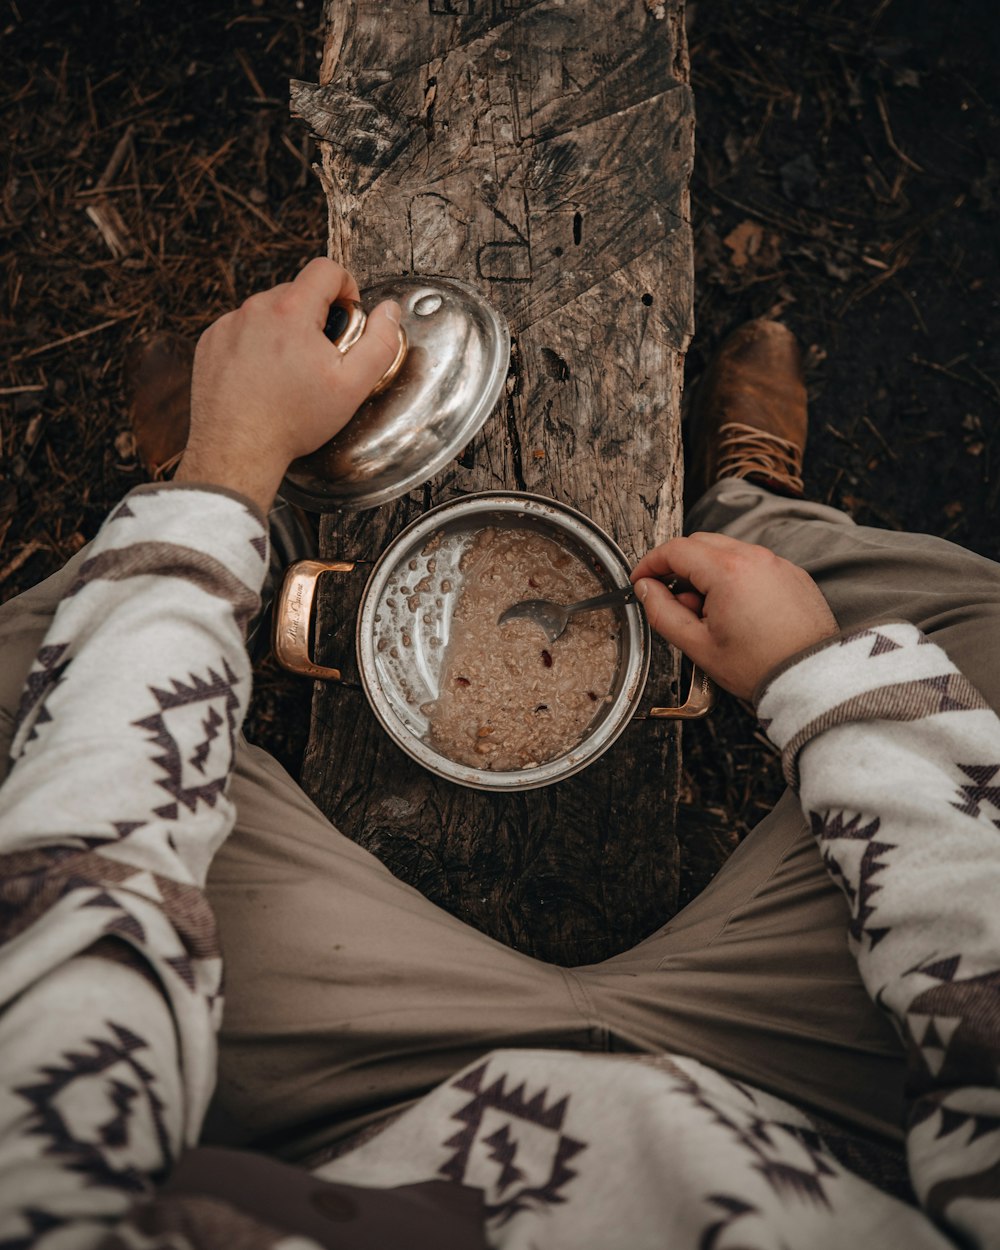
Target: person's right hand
(269, 386)
(756, 611)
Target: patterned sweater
(110, 974)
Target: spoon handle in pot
(624, 594)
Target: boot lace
(745, 450)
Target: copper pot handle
(699, 702)
(292, 613)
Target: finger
(670, 618)
(363, 365)
(690, 600)
(695, 561)
(683, 592)
(722, 542)
(383, 323)
(322, 282)
(654, 563)
(262, 301)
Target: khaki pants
(349, 994)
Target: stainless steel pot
(398, 679)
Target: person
(747, 1075)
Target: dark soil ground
(848, 181)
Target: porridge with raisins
(508, 698)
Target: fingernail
(392, 311)
(642, 589)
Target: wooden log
(541, 151)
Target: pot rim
(635, 648)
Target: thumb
(669, 618)
(383, 324)
(364, 364)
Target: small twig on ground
(883, 112)
(987, 379)
(242, 200)
(914, 306)
(878, 434)
(71, 338)
(22, 557)
(110, 226)
(957, 377)
(300, 157)
(104, 215)
(832, 429)
(117, 157)
(251, 76)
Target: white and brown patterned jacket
(110, 972)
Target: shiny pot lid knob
(443, 384)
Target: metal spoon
(552, 618)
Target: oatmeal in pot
(510, 699)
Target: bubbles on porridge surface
(434, 641)
(390, 603)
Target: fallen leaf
(905, 77)
(34, 426)
(751, 244)
(125, 445)
(840, 272)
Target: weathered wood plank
(541, 151)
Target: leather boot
(158, 387)
(749, 415)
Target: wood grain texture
(541, 151)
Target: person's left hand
(269, 386)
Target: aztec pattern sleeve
(897, 760)
(110, 972)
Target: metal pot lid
(451, 377)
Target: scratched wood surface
(542, 151)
